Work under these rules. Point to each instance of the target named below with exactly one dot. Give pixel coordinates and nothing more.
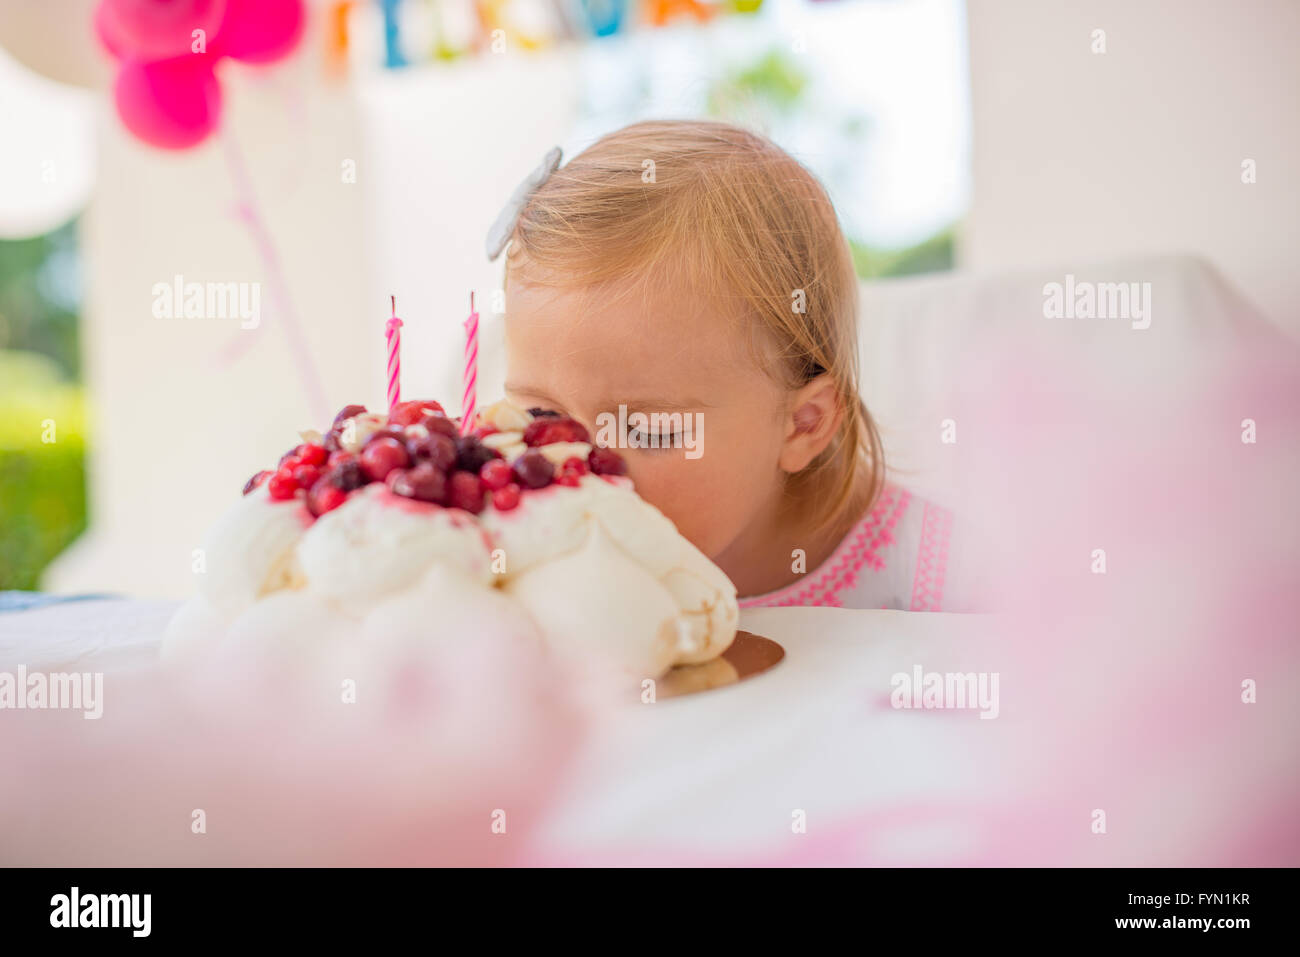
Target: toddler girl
(695, 273)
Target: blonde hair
(737, 218)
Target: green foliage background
(42, 483)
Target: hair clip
(504, 226)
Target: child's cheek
(687, 491)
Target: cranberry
(434, 447)
(472, 455)
(391, 430)
(559, 428)
(606, 462)
(346, 413)
(306, 475)
(483, 431)
(325, 497)
(312, 454)
(257, 480)
(438, 422)
(338, 458)
(571, 472)
(496, 474)
(281, 486)
(466, 491)
(399, 484)
(423, 482)
(411, 413)
(347, 475)
(533, 469)
(383, 455)
(506, 498)
(332, 440)
(306, 454)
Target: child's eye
(652, 440)
(537, 411)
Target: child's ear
(814, 416)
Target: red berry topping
(311, 454)
(434, 447)
(533, 469)
(496, 474)
(438, 422)
(423, 482)
(306, 475)
(506, 498)
(485, 430)
(347, 412)
(472, 455)
(381, 456)
(338, 458)
(411, 413)
(331, 441)
(257, 480)
(281, 486)
(571, 472)
(465, 491)
(347, 474)
(606, 462)
(325, 497)
(397, 482)
(555, 428)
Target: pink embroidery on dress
(861, 547)
(931, 558)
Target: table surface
(720, 771)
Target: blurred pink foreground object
(401, 755)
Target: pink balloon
(172, 104)
(106, 31)
(157, 29)
(260, 31)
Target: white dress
(900, 555)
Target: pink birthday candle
(393, 330)
(470, 379)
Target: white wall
(1081, 157)
(443, 149)
(172, 426)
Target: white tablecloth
(89, 634)
(724, 772)
(731, 770)
(810, 764)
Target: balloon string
(247, 209)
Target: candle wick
(394, 299)
(471, 300)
